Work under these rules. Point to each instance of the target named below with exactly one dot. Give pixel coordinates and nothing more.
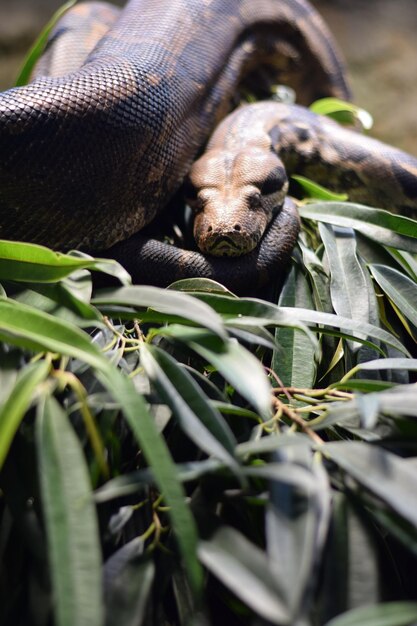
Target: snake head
(234, 195)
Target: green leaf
(314, 190)
(244, 569)
(247, 333)
(343, 112)
(39, 45)
(197, 417)
(231, 409)
(395, 526)
(296, 525)
(382, 473)
(406, 262)
(294, 360)
(200, 284)
(252, 312)
(384, 614)
(64, 299)
(106, 266)
(168, 302)
(318, 277)
(28, 262)
(350, 575)
(381, 226)
(24, 326)
(363, 385)
(383, 364)
(70, 518)
(397, 401)
(236, 364)
(357, 329)
(348, 287)
(399, 288)
(128, 580)
(164, 470)
(16, 405)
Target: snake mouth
(229, 245)
(225, 246)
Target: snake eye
(190, 191)
(197, 205)
(271, 185)
(274, 182)
(255, 201)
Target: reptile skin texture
(89, 158)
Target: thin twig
(296, 419)
(279, 381)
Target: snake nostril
(237, 227)
(209, 229)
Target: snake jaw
(231, 231)
(229, 241)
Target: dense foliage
(187, 457)
(203, 457)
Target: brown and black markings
(269, 141)
(89, 157)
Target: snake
(113, 125)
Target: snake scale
(96, 146)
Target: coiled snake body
(95, 147)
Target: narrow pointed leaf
(399, 288)
(357, 329)
(387, 364)
(348, 287)
(70, 518)
(343, 112)
(381, 472)
(385, 614)
(57, 300)
(244, 569)
(397, 401)
(236, 364)
(294, 358)
(14, 408)
(381, 226)
(191, 285)
(165, 301)
(25, 326)
(350, 568)
(406, 261)
(318, 278)
(39, 45)
(197, 417)
(28, 262)
(243, 371)
(253, 312)
(164, 470)
(314, 190)
(132, 483)
(128, 582)
(296, 524)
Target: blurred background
(377, 37)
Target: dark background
(378, 38)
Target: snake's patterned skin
(95, 147)
(88, 158)
(243, 175)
